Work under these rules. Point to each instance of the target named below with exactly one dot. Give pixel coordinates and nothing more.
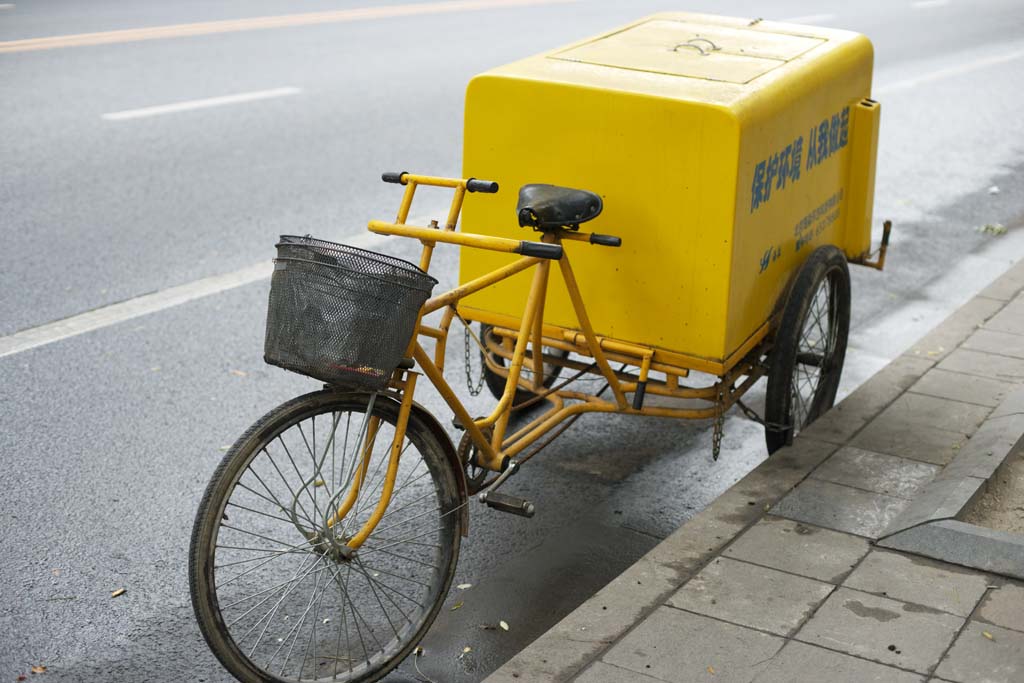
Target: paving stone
(751, 595)
(842, 508)
(985, 365)
(1013, 404)
(581, 636)
(876, 472)
(920, 581)
(599, 672)
(676, 646)
(949, 540)
(799, 549)
(986, 450)
(941, 413)
(943, 498)
(976, 657)
(868, 626)
(802, 662)
(952, 331)
(1004, 607)
(1007, 285)
(890, 434)
(957, 386)
(1010, 319)
(840, 423)
(1000, 343)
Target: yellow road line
(261, 23)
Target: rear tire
(274, 596)
(810, 347)
(496, 382)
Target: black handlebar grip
(541, 250)
(488, 186)
(605, 240)
(391, 177)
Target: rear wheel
(496, 382)
(810, 346)
(276, 595)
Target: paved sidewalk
(841, 558)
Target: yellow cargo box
(726, 150)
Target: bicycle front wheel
(276, 592)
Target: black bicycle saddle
(549, 206)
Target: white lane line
(809, 19)
(926, 4)
(957, 70)
(201, 104)
(150, 303)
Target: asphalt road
(109, 437)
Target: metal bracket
(879, 262)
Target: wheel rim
(287, 598)
(815, 354)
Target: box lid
(692, 49)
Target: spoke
(259, 593)
(265, 538)
(381, 604)
(304, 570)
(387, 573)
(395, 511)
(404, 540)
(269, 616)
(235, 578)
(260, 512)
(295, 467)
(401, 557)
(295, 497)
(293, 630)
(267, 488)
(398, 592)
(414, 518)
(264, 554)
(260, 495)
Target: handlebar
(605, 240)
(472, 185)
(486, 186)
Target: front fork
(359, 478)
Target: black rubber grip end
(541, 250)
(487, 186)
(638, 395)
(392, 177)
(605, 240)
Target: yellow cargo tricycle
(732, 160)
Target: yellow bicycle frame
(496, 452)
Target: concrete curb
(585, 634)
(930, 525)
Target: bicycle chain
(718, 428)
(473, 390)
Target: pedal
(506, 503)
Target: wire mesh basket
(340, 314)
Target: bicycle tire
(496, 383)
(787, 410)
(229, 502)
